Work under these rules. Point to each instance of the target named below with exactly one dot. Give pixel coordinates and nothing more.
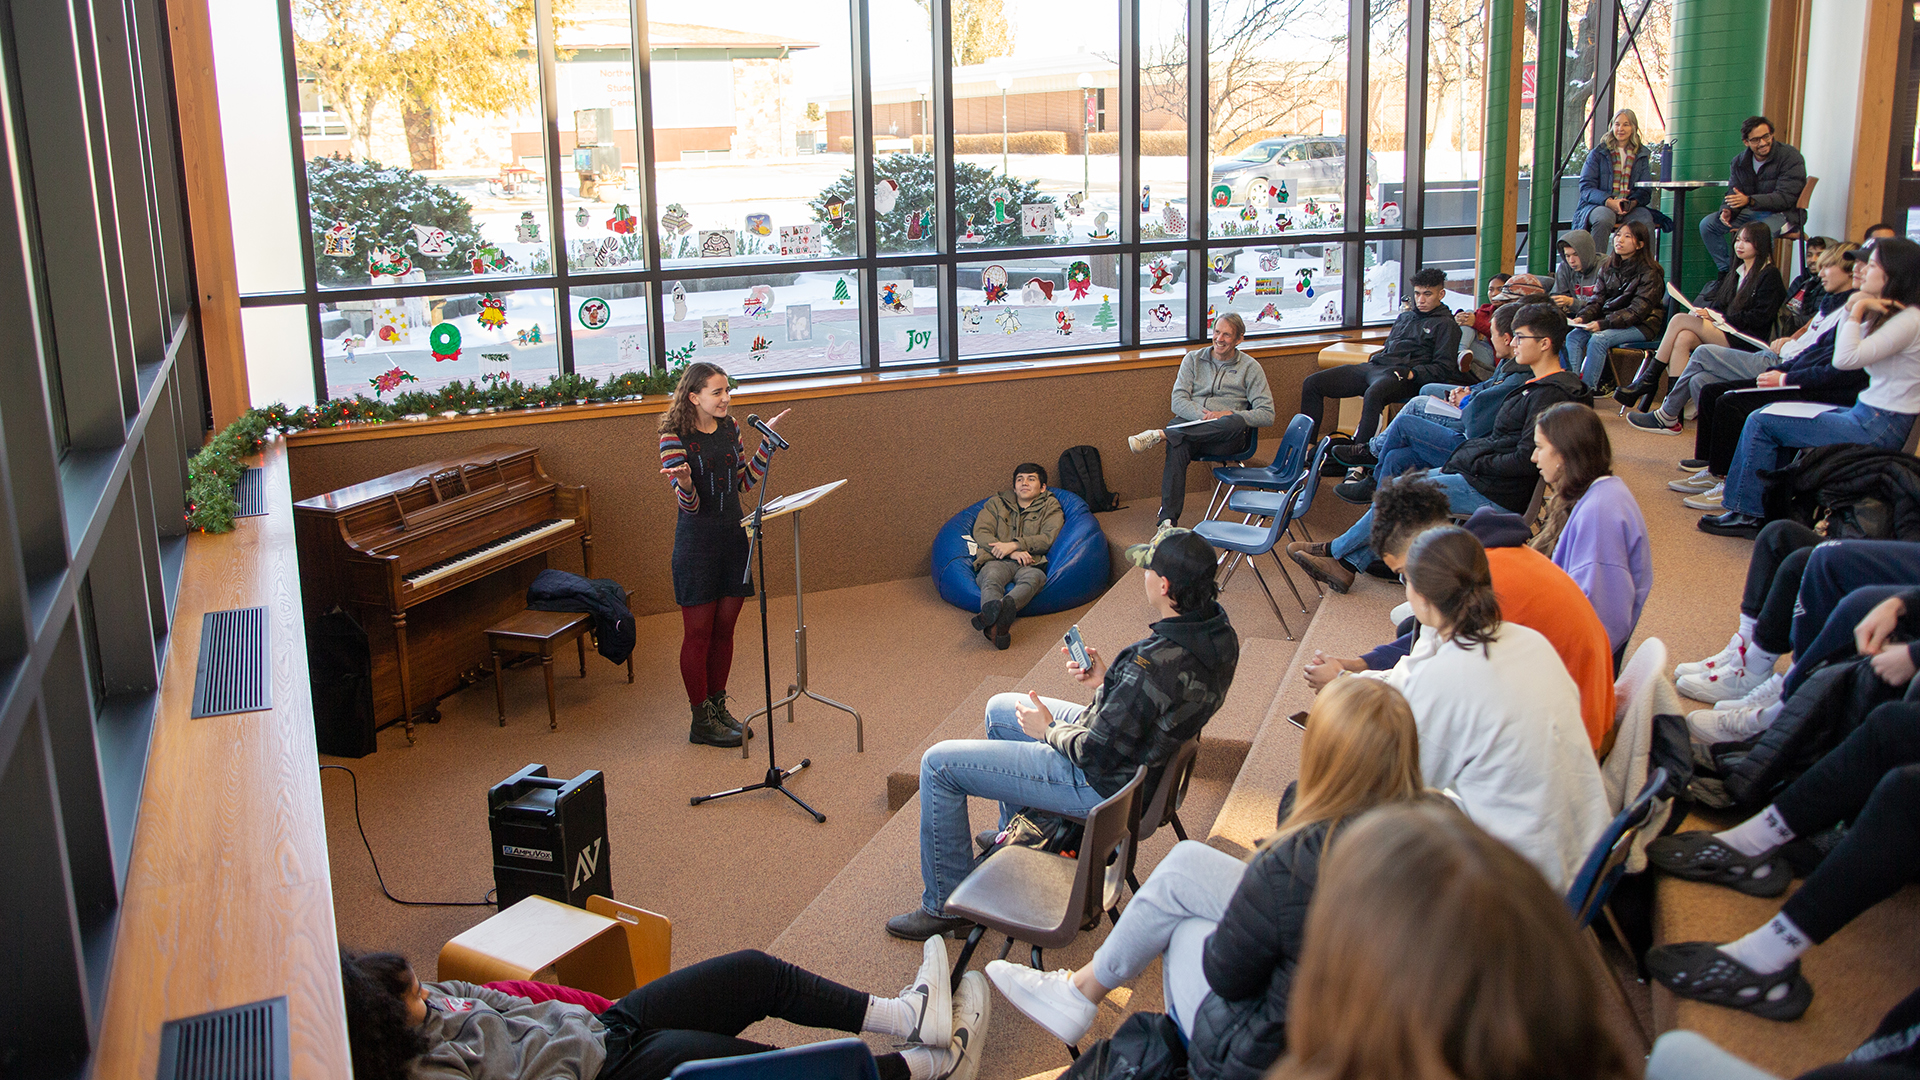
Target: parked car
(1311, 165)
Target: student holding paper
(1626, 308)
(1881, 334)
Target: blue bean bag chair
(1076, 564)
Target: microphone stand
(776, 778)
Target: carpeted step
(1857, 975)
(963, 722)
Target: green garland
(213, 472)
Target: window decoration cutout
(840, 292)
(1176, 222)
(1330, 313)
(836, 209)
(1146, 198)
(1101, 230)
(1270, 313)
(1063, 320)
(1220, 264)
(1037, 291)
(1104, 318)
(1269, 261)
(430, 241)
(1075, 204)
(1079, 279)
(759, 225)
(391, 326)
(1279, 192)
(799, 322)
(580, 217)
(1162, 272)
(528, 230)
(969, 236)
(490, 259)
(1266, 286)
(1008, 321)
(800, 239)
(339, 240)
(896, 298)
(1000, 196)
(632, 351)
(493, 311)
(349, 343)
(1036, 219)
(1390, 215)
(886, 193)
(758, 303)
(1248, 213)
(1282, 221)
(1235, 289)
(679, 302)
(758, 350)
(1159, 317)
(716, 244)
(715, 330)
(970, 319)
(1330, 260)
(595, 313)
(920, 223)
(623, 220)
(529, 336)
(674, 220)
(910, 340)
(993, 282)
(1222, 195)
(390, 380)
(444, 342)
(1303, 282)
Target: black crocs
(1701, 856)
(1700, 971)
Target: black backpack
(1080, 473)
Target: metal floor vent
(247, 1042)
(251, 494)
(232, 674)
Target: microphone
(757, 424)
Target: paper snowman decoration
(679, 302)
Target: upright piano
(427, 558)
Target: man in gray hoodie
(1578, 275)
(1219, 396)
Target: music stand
(798, 688)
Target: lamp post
(1005, 83)
(923, 90)
(1086, 171)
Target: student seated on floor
(1496, 470)
(1227, 933)
(1011, 537)
(399, 1028)
(1532, 592)
(1055, 755)
(1499, 716)
(1433, 951)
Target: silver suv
(1311, 166)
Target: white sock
(1770, 948)
(889, 1016)
(1758, 834)
(1748, 625)
(1758, 660)
(928, 1062)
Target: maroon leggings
(706, 653)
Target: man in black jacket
(1763, 185)
(1423, 347)
(1496, 470)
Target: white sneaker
(1767, 693)
(1725, 684)
(1735, 724)
(1736, 648)
(1146, 440)
(971, 1007)
(1704, 480)
(1048, 997)
(1708, 500)
(930, 996)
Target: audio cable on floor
(488, 902)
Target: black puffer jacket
(1240, 1030)
(1630, 294)
(1862, 492)
(1424, 346)
(1500, 466)
(1754, 315)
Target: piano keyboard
(427, 575)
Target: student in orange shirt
(1532, 591)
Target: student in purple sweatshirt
(1591, 525)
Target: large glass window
(709, 203)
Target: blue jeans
(1766, 435)
(1418, 407)
(1351, 546)
(1416, 440)
(1586, 351)
(1008, 765)
(1714, 232)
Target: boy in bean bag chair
(1011, 536)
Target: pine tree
(840, 291)
(1103, 319)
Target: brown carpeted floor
(753, 870)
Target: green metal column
(1719, 72)
(1548, 94)
(1497, 165)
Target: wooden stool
(542, 632)
(1348, 352)
(540, 940)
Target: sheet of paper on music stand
(1799, 409)
(799, 500)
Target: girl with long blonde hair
(1228, 933)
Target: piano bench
(542, 632)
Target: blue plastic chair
(1297, 501)
(1605, 864)
(1234, 457)
(838, 1059)
(1305, 504)
(1251, 540)
(1275, 477)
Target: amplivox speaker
(549, 837)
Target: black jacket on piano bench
(557, 590)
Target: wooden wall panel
(1873, 134)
